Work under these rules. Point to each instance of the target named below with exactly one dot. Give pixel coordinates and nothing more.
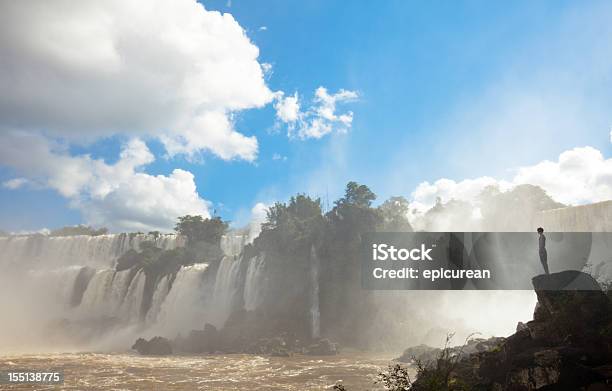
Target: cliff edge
(567, 345)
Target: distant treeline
(76, 230)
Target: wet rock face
(571, 317)
(571, 280)
(281, 346)
(424, 353)
(156, 346)
(323, 347)
(199, 341)
(567, 346)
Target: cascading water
(226, 286)
(254, 283)
(315, 314)
(57, 285)
(130, 306)
(74, 279)
(44, 252)
(182, 308)
(159, 295)
(232, 245)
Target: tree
(394, 212)
(396, 378)
(358, 195)
(294, 225)
(514, 210)
(78, 230)
(276, 216)
(352, 214)
(198, 229)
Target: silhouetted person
(542, 249)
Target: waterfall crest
(74, 279)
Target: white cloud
(579, 176)
(327, 103)
(287, 108)
(146, 202)
(263, 28)
(168, 69)
(320, 119)
(267, 69)
(119, 196)
(15, 183)
(426, 194)
(278, 156)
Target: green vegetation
(436, 375)
(294, 226)
(198, 229)
(358, 195)
(396, 378)
(298, 234)
(394, 213)
(203, 245)
(78, 230)
(523, 200)
(439, 375)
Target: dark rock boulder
(277, 346)
(425, 354)
(281, 346)
(578, 317)
(128, 260)
(567, 346)
(323, 347)
(572, 280)
(199, 341)
(156, 346)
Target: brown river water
(94, 371)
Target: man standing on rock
(542, 249)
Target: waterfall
(232, 244)
(254, 283)
(110, 293)
(315, 314)
(99, 251)
(226, 286)
(129, 309)
(159, 295)
(73, 280)
(57, 285)
(180, 308)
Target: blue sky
(446, 90)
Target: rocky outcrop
(323, 347)
(425, 353)
(230, 340)
(282, 346)
(199, 341)
(156, 346)
(567, 346)
(568, 280)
